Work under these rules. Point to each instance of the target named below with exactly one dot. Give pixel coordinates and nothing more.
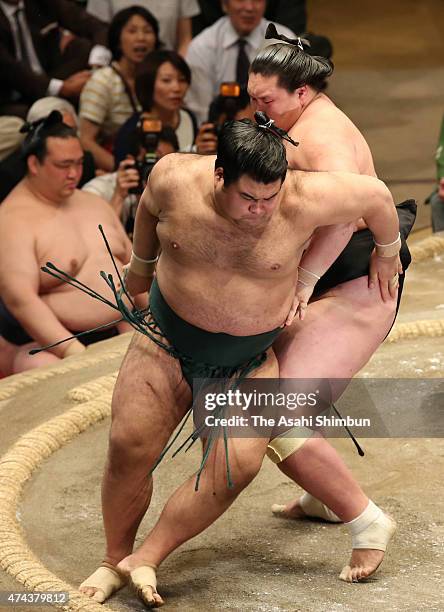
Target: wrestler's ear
(302, 91)
(218, 175)
(33, 164)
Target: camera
(148, 132)
(225, 105)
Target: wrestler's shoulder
(179, 163)
(88, 199)
(303, 188)
(18, 206)
(178, 168)
(325, 121)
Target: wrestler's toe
(292, 510)
(279, 510)
(363, 564)
(93, 593)
(99, 596)
(355, 574)
(345, 574)
(149, 596)
(144, 581)
(105, 581)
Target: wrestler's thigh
(339, 333)
(151, 395)
(245, 453)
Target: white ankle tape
(313, 507)
(371, 529)
(366, 518)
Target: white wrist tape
(390, 249)
(142, 267)
(307, 278)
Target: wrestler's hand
(206, 139)
(385, 271)
(127, 177)
(300, 303)
(134, 283)
(75, 347)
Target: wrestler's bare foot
(363, 563)
(305, 507)
(371, 532)
(292, 510)
(142, 575)
(102, 583)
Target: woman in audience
(161, 86)
(109, 97)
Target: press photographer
(122, 189)
(233, 102)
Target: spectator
(291, 12)
(109, 97)
(32, 64)
(10, 136)
(13, 168)
(122, 189)
(224, 51)
(436, 198)
(222, 108)
(437, 205)
(174, 17)
(161, 86)
(47, 218)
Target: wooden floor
(389, 78)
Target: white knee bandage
(285, 445)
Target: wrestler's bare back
(328, 140)
(68, 236)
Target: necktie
(242, 64)
(21, 38)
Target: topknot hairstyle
(37, 133)
(289, 61)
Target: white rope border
(8, 388)
(429, 247)
(17, 466)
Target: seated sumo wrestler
(46, 217)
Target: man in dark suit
(32, 64)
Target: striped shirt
(104, 101)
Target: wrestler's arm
(324, 248)
(337, 197)
(145, 241)
(19, 288)
(327, 242)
